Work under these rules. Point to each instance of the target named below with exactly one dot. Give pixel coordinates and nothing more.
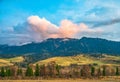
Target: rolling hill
(83, 59)
(80, 59)
(10, 61)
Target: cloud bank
(36, 29)
(39, 29)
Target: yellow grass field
(16, 59)
(8, 62)
(66, 61)
(81, 59)
(5, 63)
(73, 80)
(102, 79)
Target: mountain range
(53, 47)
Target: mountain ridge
(62, 47)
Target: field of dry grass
(4, 62)
(66, 61)
(8, 62)
(82, 59)
(16, 59)
(102, 79)
(71, 80)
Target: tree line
(53, 70)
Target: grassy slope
(16, 59)
(8, 62)
(82, 59)
(66, 61)
(111, 59)
(4, 62)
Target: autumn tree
(85, 71)
(99, 72)
(52, 68)
(42, 70)
(75, 73)
(13, 70)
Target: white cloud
(37, 29)
(106, 10)
(46, 29)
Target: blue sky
(95, 14)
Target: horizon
(38, 20)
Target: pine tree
(2, 73)
(8, 72)
(37, 70)
(104, 71)
(29, 71)
(81, 72)
(58, 69)
(92, 71)
(19, 71)
(117, 71)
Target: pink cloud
(43, 29)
